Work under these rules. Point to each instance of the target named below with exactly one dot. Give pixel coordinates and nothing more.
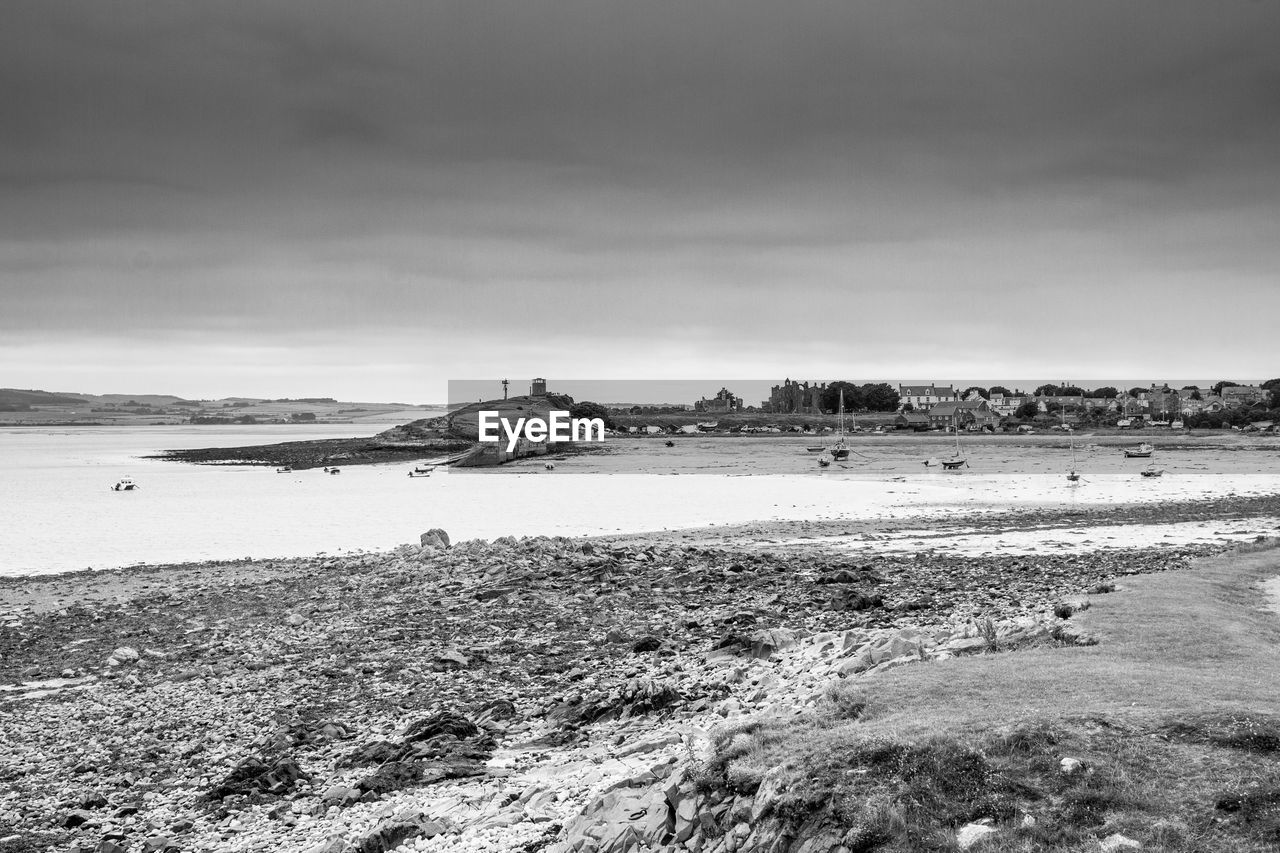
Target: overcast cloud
(364, 200)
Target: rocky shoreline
(479, 696)
(303, 455)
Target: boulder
(765, 643)
(972, 834)
(1115, 841)
(435, 537)
(393, 831)
(123, 655)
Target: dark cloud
(836, 178)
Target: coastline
(606, 657)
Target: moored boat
(1142, 451)
(840, 450)
(124, 484)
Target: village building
(924, 397)
(723, 401)
(964, 414)
(917, 421)
(795, 398)
(1006, 404)
(1240, 396)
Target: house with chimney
(924, 397)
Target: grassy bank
(1173, 718)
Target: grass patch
(1174, 717)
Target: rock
(435, 537)
(76, 818)
(649, 744)
(452, 659)
(646, 644)
(296, 619)
(966, 646)
(123, 655)
(1070, 765)
(438, 724)
(159, 844)
(765, 643)
(253, 775)
(972, 833)
(340, 795)
(391, 777)
(393, 831)
(1116, 841)
(96, 800)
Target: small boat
(1153, 472)
(333, 470)
(1142, 451)
(1072, 475)
(671, 444)
(284, 469)
(957, 461)
(824, 460)
(840, 451)
(124, 485)
(419, 472)
(815, 449)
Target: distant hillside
(19, 397)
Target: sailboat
(1072, 476)
(840, 451)
(956, 462)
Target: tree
(1070, 391)
(908, 407)
(1195, 394)
(1190, 387)
(982, 392)
(1135, 393)
(1026, 411)
(1106, 392)
(587, 409)
(298, 417)
(880, 397)
(853, 397)
(1047, 391)
(998, 389)
(1226, 383)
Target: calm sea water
(59, 513)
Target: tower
(539, 388)
(505, 383)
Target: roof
(914, 417)
(1241, 390)
(926, 391)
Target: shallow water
(60, 514)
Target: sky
(364, 201)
